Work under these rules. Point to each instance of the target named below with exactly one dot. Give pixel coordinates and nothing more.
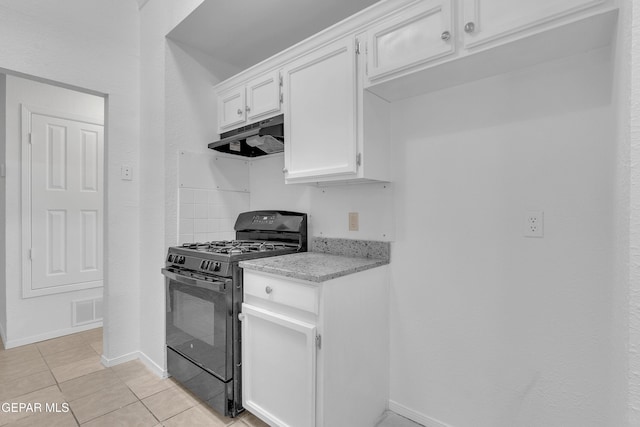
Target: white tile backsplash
(186, 195)
(201, 226)
(201, 211)
(201, 237)
(185, 238)
(201, 196)
(186, 226)
(186, 211)
(206, 215)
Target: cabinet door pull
(446, 35)
(268, 289)
(248, 108)
(239, 111)
(469, 27)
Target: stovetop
(238, 247)
(219, 258)
(258, 234)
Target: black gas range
(204, 297)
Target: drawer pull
(268, 289)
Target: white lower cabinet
(279, 381)
(315, 354)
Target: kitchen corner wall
(490, 328)
(178, 115)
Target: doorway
(53, 203)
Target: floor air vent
(87, 311)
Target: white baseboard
(49, 335)
(135, 355)
(3, 336)
(415, 416)
(120, 359)
(153, 366)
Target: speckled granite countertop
(312, 266)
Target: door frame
(25, 223)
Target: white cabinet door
(485, 21)
(320, 113)
(231, 109)
(278, 368)
(263, 96)
(416, 35)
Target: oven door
(199, 320)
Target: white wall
(629, 160)
(268, 190)
(35, 319)
(329, 206)
(490, 328)
(3, 207)
(623, 384)
(178, 114)
(94, 44)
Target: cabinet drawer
(282, 291)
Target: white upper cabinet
(485, 21)
(335, 131)
(320, 113)
(256, 100)
(231, 108)
(414, 35)
(263, 96)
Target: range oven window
(199, 325)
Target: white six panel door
(66, 205)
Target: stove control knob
(170, 258)
(215, 266)
(181, 260)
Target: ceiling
(242, 33)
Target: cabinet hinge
(29, 138)
(31, 254)
(281, 99)
(319, 341)
(281, 83)
(357, 47)
(359, 159)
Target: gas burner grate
(236, 247)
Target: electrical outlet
(126, 173)
(353, 221)
(534, 224)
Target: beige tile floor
(67, 371)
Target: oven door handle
(217, 286)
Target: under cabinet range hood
(257, 139)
